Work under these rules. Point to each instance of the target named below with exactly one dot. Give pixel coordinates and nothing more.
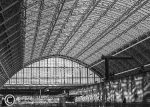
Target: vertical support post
(64, 70)
(106, 69)
(40, 93)
(39, 72)
(16, 78)
(23, 76)
(72, 71)
(47, 70)
(87, 76)
(106, 78)
(31, 73)
(104, 93)
(80, 73)
(99, 91)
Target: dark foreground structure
(75, 53)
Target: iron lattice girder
(6, 53)
(116, 23)
(11, 34)
(41, 7)
(12, 61)
(58, 10)
(54, 42)
(6, 20)
(107, 59)
(3, 10)
(5, 71)
(125, 31)
(59, 56)
(63, 26)
(103, 14)
(114, 66)
(137, 49)
(83, 18)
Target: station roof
(80, 30)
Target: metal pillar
(106, 78)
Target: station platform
(87, 104)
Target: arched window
(54, 71)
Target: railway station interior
(75, 53)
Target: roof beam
(15, 54)
(142, 54)
(11, 47)
(9, 6)
(41, 7)
(139, 42)
(107, 59)
(63, 26)
(13, 64)
(97, 71)
(131, 70)
(12, 68)
(114, 67)
(7, 64)
(33, 4)
(146, 44)
(119, 35)
(84, 16)
(132, 53)
(10, 18)
(58, 10)
(9, 28)
(59, 56)
(113, 25)
(13, 61)
(9, 35)
(5, 71)
(125, 63)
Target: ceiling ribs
(41, 7)
(122, 51)
(139, 51)
(119, 35)
(8, 45)
(10, 35)
(17, 1)
(8, 55)
(97, 72)
(114, 67)
(11, 55)
(5, 71)
(12, 64)
(6, 20)
(79, 23)
(58, 10)
(13, 45)
(63, 26)
(116, 23)
(33, 4)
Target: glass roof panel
(83, 29)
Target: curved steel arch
(64, 57)
(54, 56)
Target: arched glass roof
(54, 71)
(81, 29)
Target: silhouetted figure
(124, 100)
(3, 103)
(135, 97)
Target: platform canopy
(82, 30)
